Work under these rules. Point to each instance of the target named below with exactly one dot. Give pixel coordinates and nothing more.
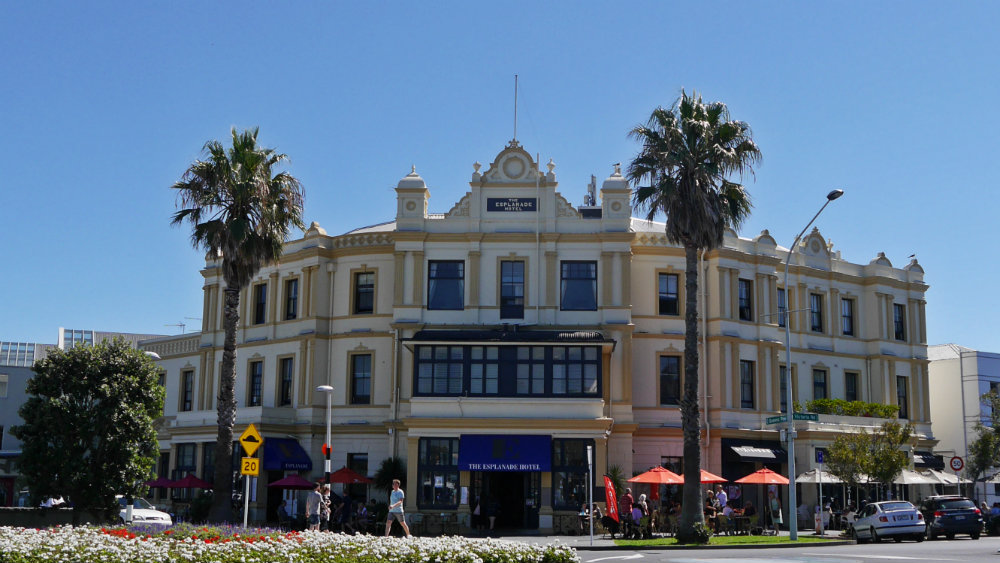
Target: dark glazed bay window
(440, 369)
(437, 473)
(569, 473)
(574, 370)
(669, 298)
(446, 285)
(187, 390)
(746, 300)
(361, 379)
(255, 384)
(484, 370)
(746, 384)
(847, 317)
(816, 312)
(530, 370)
(259, 304)
(782, 307)
(364, 293)
(899, 321)
(579, 286)
(670, 380)
(286, 375)
(819, 384)
(291, 299)
(902, 396)
(851, 385)
(511, 289)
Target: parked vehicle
(948, 515)
(143, 512)
(896, 519)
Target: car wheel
(950, 535)
(898, 539)
(975, 535)
(853, 534)
(931, 535)
(874, 534)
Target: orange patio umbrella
(764, 477)
(658, 476)
(707, 477)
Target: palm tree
(688, 153)
(241, 213)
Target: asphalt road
(958, 550)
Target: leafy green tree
(877, 456)
(689, 152)
(984, 451)
(88, 425)
(241, 210)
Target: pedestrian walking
(313, 506)
(396, 498)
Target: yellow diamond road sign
(250, 440)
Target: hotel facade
(490, 345)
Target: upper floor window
(847, 317)
(816, 312)
(899, 320)
(446, 285)
(851, 385)
(364, 293)
(669, 299)
(260, 304)
(361, 379)
(819, 384)
(902, 396)
(291, 299)
(286, 378)
(746, 384)
(3, 385)
(187, 390)
(670, 380)
(746, 300)
(511, 289)
(579, 286)
(255, 384)
(783, 388)
(530, 370)
(484, 370)
(782, 307)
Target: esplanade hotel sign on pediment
(511, 204)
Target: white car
(144, 512)
(896, 519)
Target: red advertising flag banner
(611, 499)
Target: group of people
(718, 503)
(327, 511)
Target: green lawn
(729, 540)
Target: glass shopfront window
(569, 473)
(437, 473)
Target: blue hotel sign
(504, 453)
(511, 204)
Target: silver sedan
(896, 519)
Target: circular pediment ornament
(411, 205)
(814, 246)
(514, 167)
(616, 206)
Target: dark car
(948, 515)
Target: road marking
(891, 557)
(622, 557)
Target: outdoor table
(741, 524)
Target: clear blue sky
(104, 105)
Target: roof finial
(413, 169)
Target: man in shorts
(314, 502)
(396, 498)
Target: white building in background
(489, 345)
(959, 377)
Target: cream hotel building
(488, 345)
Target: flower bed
(223, 545)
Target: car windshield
(957, 503)
(136, 503)
(889, 506)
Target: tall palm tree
(241, 211)
(689, 151)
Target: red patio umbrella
(293, 482)
(347, 476)
(159, 483)
(658, 476)
(764, 477)
(707, 477)
(191, 482)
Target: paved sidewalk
(604, 543)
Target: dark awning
(512, 335)
(504, 453)
(927, 460)
(285, 454)
(753, 451)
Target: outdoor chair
(725, 525)
(755, 528)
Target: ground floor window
(437, 473)
(569, 473)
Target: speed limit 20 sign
(250, 466)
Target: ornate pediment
(513, 166)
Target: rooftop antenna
(182, 325)
(515, 107)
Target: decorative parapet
(173, 346)
(363, 239)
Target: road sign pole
(246, 501)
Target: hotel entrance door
(515, 495)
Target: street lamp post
(793, 525)
(328, 390)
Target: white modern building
(490, 345)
